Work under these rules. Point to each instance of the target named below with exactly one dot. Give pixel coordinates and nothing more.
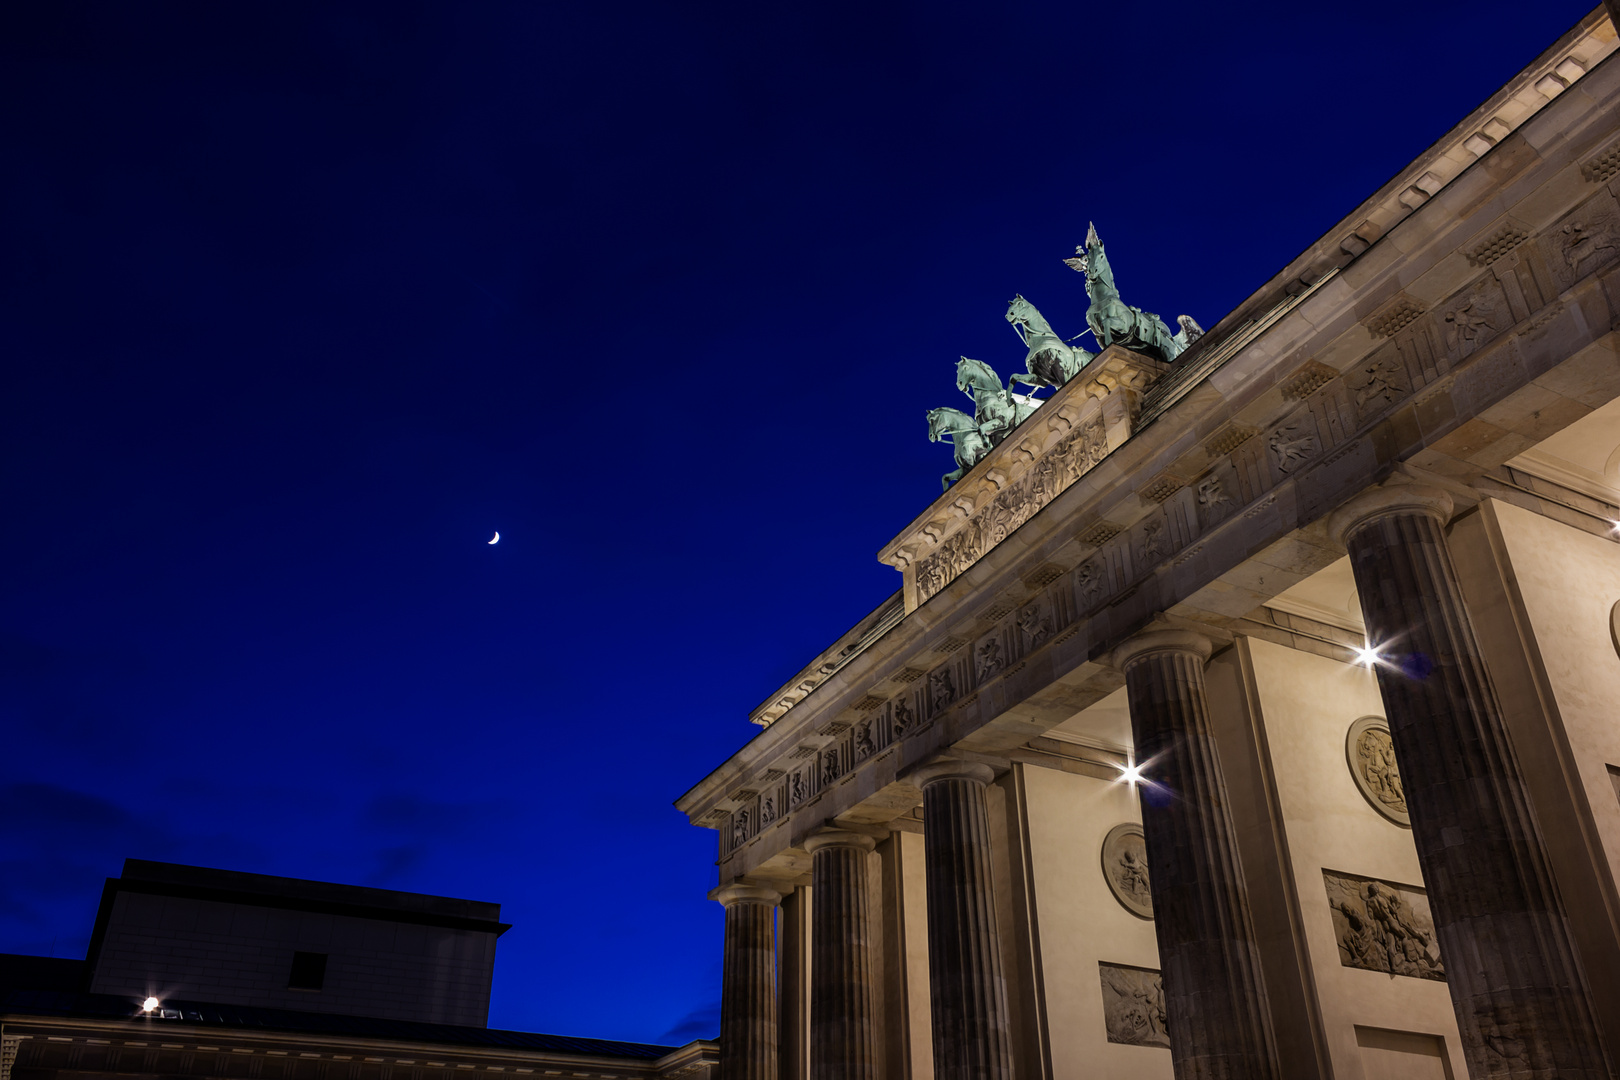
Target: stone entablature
(1087, 418)
(1420, 355)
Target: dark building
(171, 931)
(200, 974)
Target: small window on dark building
(308, 971)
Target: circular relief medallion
(1614, 626)
(1370, 753)
(1124, 864)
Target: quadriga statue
(996, 411)
(1114, 322)
(1050, 361)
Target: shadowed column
(1522, 1005)
(969, 994)
(842, 1045)
(1215, 997)
(748, 983)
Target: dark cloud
(702, 1022)
(395, 863)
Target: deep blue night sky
(300, 303)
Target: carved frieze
(941, 688)
(1124, 867)
(902, 715)
(1099, 534)
(1035, 621)
(1293, 444)
(1473, 317)
(1497, 244)
(1310, 377)
(1042, 576)
(1090, 582)
(1370, 753)
(1155, 544)
(1383, 926)
(1162, 488)
(1212, 492)
(1229, 438)
(988, 658)
(1019, 500)
(1395, 317)
(1586, 240)
(1598, 168)
(865, 741)
(1378, 380)
(1133, 1006)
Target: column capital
(1162, 641)
(1384, 501)
(739, 893)
(835, 838)
(951, 769)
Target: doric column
(1214, 992)
(748, 983)
(968, 991)
(1522, 1004)
(842, 1044)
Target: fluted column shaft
(965, 980)
(748, 984)
(1215, 997)
(842, 1040)
(1523, 1008)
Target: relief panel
(1124, 866)
(1133, 1006)
(1370, 753)
(1586, 240)
(1381, 926)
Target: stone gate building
(1251, 715)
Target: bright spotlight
(1368, 656)
(150, 1004)
(1131, 774)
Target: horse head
(974, 377)
(1026, 318)
(942, 422)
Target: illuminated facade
(1250, 715)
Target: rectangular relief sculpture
(1133, 1005)
(1383, 926)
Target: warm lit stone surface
(1213, 987)
(1522, 1004)
(968, 991)
(841, 1021)
(748, 1017)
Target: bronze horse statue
(1114, 322)
(1050, 361)
(965, 438)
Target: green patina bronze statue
(965, 437)
(996, 411)
(1112, 321)
(1049, 360)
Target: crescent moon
(497, 539)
